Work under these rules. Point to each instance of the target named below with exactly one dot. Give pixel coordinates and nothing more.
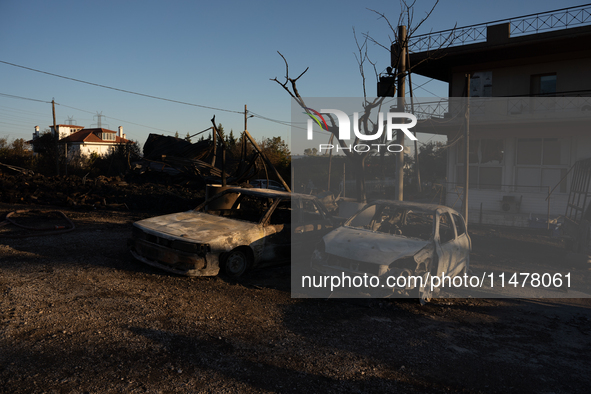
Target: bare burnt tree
(366, 123)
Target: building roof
(68, 125)
(501, 48)
(91, 135)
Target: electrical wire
(120, 90)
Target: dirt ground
(79, 315)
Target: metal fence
(528, 24)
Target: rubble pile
(115, 193)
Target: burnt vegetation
(168, 175)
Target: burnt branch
(294, 91)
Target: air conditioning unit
(511, 204)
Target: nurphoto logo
(344, 128)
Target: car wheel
(424, 294)
(235, 263)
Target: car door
(278, 230)
(312, 223)
(447, 246)
(463, 242)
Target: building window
(486, 163)
(108, 136)
(542, 163)
(543, 84)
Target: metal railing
(528, 24)
(446, 108)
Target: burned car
(397, 238)
(232, 231)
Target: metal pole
(548, 214)
(467, 141)
(412, 110)
(402, 45)
(344, 179)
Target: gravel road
(79, 315)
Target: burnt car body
(271, 184)
(234, 230)
(394, 238)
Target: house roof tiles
(92, 135)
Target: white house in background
(99, 140)
(64, 130)
(87, 141)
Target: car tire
(235, 263)
(424, 295)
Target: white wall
(88, 148)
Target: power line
(120, 120)
(120, 90)
(82, 110)
(23, 98)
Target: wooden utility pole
(56, 138)
(467, 142)
(402, 47)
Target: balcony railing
(528, 24)
(556, 104)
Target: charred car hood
(202, 227)
(369, 246)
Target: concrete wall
(514, 79)
(533, 200)
(88, 148)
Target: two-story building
(79, 140)
(529, 112)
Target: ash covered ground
(79, 314)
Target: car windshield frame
(227, 206)
(393, 219)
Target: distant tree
(311, 152)
(16, 153)
(188, 137)
(277, 151)
(118, 160)
(176, 134)
(3, 147)
(231, 140)
(49, 154)
(221, 131)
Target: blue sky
(219, 55)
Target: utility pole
(412, 110)
(56, 138)
(344, 178)
(402, 47)
(467, 141)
